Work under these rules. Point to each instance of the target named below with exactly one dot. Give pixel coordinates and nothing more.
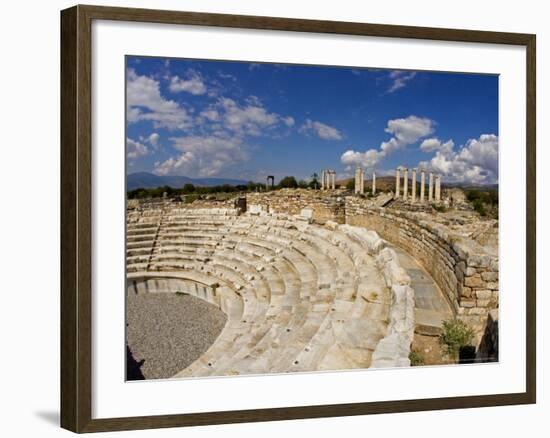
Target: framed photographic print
(268, 218)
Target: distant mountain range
(148, 180)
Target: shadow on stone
(488, 347)
(467, 354)
(133, 367)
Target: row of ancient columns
(328, 179)
(360, 181)
(412, 197)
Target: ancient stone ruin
(320, 279)
(328, 179)
(410, 194)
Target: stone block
(492, 285)
(473, 282)
(467, 303)
(489, 276)
(255, 209)
(477, 311)
(306, 213)
(479, 261)
(466, 292)
(483, 294)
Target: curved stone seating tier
(299, 297)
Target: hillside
(149, 181)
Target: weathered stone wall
(464, 270)
(137, 204)
(326, 205)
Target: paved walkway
(431, 306)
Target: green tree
(188, 188)
(288, 182)
(314, 183)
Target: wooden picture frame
(76, 217)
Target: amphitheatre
(295, 279)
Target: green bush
(485, 202)
(456, 334)
(191, 198)
(416, 358)
(480, 207)
(439, 208)
(288, 182)
(188, 188)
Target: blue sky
(248, 120)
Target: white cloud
(210, 114)
(203, 155)
(192, 84)
(411, 129)
(288, 121)
(366, 159)
(249, 119)
(322, 130)
(218, 144)
(475, 162)
(405, 131)
(145, 102)
(434, 144)
(227, 76)
(430, 145)
(153, 139)
(135, 149)
(399, 79)
(482, 152)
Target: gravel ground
(168, 332)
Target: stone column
(397, 179)
(405, 183)
(422, 184)
(414, 185)
(438, 188)
(332, 179)
(362, 181)
(322, 180)
(431, 188)
(373, 182)
(358, 180)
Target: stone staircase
(298, 296)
